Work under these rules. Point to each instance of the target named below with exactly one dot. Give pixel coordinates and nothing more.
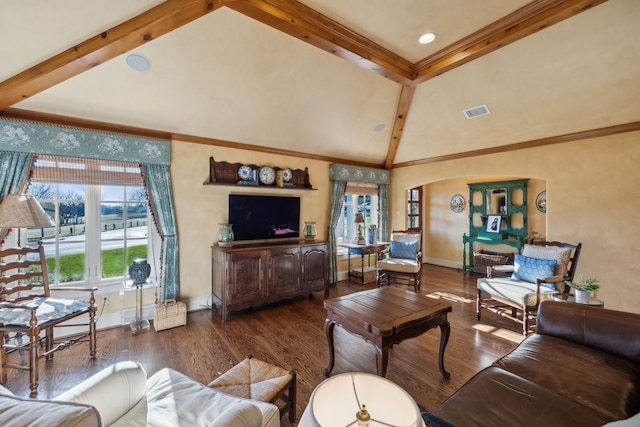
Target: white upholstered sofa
(121, 395)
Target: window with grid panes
(414, 208)
(101, 214)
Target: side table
(572, 299)
(139, 323)
(362, 250)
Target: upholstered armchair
(539, 272)
(404, 264)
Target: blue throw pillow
(530, 269)
(403, 249)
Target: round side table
(572, 298)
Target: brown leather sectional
(580, 368)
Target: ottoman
(255, 379)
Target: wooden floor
(291, 334)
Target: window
(101, 214)
(414, 209)
(359, 198)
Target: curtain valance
(338, 172)
(37, 138)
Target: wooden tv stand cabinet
(249, 275)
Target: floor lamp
(22, 211)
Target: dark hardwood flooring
(291, 334)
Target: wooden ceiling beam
(525, 21)
(302, 22)
(404, 104)
(149, 25)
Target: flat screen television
(264, 217)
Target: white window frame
(93, 245)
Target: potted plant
(584, 288)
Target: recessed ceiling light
(427, 38)
(138, 62)
(378, 128)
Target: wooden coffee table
(386, 316)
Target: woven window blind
(75, 170)
(354, 187)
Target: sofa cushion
(496, 398)
(123, 382)
(18, 411)
(517, 291)
(601, 381)
(561, 255)
(400, 265)
(244, 414)
(530, 269)
(177, 400)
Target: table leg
(445, 329)
(382, 360)
(329, 326)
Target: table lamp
(360, 399)
(359, 220)
(22, 211)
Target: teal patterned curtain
(340, 175)
(337, 199)
(35, 138)
(158, 182)
(383, 198)
(14, 174)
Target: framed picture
(493, 223)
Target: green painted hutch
(497, 216)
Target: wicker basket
(169, 315)
(483, 259)
(370, 274)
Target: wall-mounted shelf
(225, 173)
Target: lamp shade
(358, 219)
(22, 211)
(336, 400)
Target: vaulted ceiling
(319, 78)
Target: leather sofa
(580, 368)
(121, 395)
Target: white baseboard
(442, 262)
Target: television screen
(264, 217)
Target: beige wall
(444, 228)
(591, 185)
(199, 208)
(592, 192)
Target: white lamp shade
(336, 400)
(22, 211)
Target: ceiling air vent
(474, 112)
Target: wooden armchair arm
(9, 305)
(503, 270)
(74, 288)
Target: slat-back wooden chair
(27, 309)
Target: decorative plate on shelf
(245, 173)
(267, 175)
(286, 174)
(457, 203)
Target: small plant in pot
(584, 288)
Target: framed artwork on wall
(493, 223)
